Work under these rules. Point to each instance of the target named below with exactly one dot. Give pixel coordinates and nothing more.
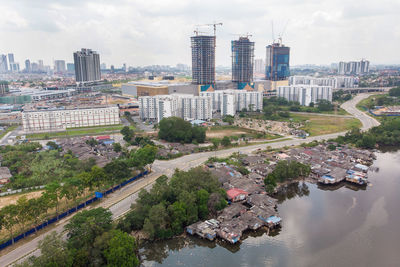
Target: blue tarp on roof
(328, 177)
(274, 219)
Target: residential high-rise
(3, 63)
(87, 65)
(27, 65)
(242, 61)
(353, 67)
(59, 66)
(259, 66)
(277, 62)
(14, 67)
(185, 106)
(41, 66)
(305, 94)
(203, 59)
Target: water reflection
(343, 225)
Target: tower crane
(214, 25)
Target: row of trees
(386, 134)
(285, 170)
(176, 129)
(169, 206)
(92, 240)
(70, 188)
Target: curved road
(119, 203)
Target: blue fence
(70, 211)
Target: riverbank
(319, 225)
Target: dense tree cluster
(176, 129)
(91, 241)
(395, 91)
(67, 179)
(341, 96)
(169, 206)
(381, 100)
(386, 134)
(285, 170)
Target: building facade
(259, 66)
(305, 94)
(277, 62)
(203, 59)
(60, 120)
(353, 67)
(59, 66)
(3, 63)
(185, 106)
(335, 82)
(87, 65)
(242, 60)
(238, 100)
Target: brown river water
(336, 226)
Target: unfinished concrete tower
(242, 61)
(203, 59)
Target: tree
(117, 170)
(92, 142)
(394, 91)
(9, 214)
(215, 142)
(52, 145)
(226, 141)
(117, 147)
(144, 156)
(311, 104)
(85, 226)
(53, 252)
(229, 119)
(53, 193)
(325, 105)
(121, 250)
(176, 129)
(128, 133)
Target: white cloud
(142, 32)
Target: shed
(236, 194)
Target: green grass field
(319, 125)
(78, 132)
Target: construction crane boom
(214, 25)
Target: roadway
(119, 203)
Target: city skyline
(158, 32)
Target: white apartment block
(228, 105)
(305, 94)
(186, 106)
(335, 82)
(59, 120)
(241, 99)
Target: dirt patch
(12, 199)
(222, 133)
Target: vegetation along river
(336, 226)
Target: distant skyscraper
(10, 58)
(87, 65)
(14, 67)
(71, 67)
(242, 61)
(59, 66)
(41, 67)
(3, 63)
(203, 59)
(259, 66)
(277, 62)
(27, 65)
(34, 67)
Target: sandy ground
(12, 199)
(222, 133)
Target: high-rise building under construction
(242, 61)
(87, 65)
(203, 59)
(277, 62)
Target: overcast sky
(146, 32)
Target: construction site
(242, 61)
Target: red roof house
(236, 194)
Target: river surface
(341, 226)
